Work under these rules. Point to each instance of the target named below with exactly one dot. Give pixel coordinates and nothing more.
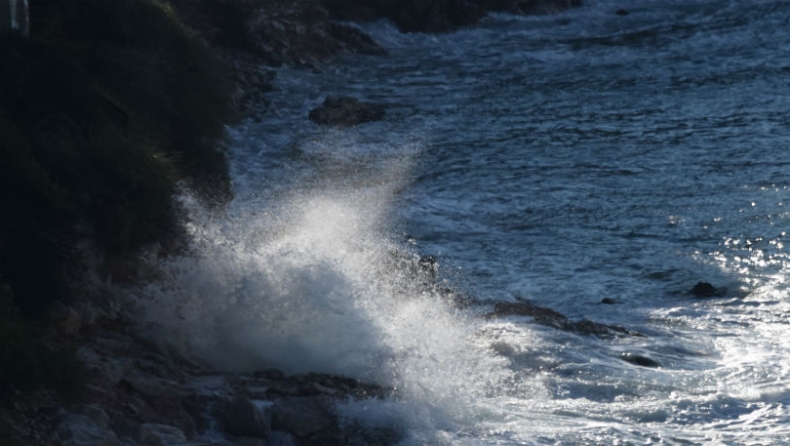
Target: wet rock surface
(642, 361)
(705, 289)
(551, 318)
(438, 15)
(345, 111)
(144, 390)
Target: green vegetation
(27, 363)
(106, 104)
(102, 109)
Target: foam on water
(317, 284)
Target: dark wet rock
(410, 15)
(354, 40)
(608, 301)
(346, 111)
(244, 418)
(551, 318)
(95, 413)
(151, 434)
(303, 417)
(438, 15)
(642, 361)
(276, 385)
(361, 436)
(541, 314)
(78, 430)
(704, 289)
(429, 266)
(530, 6)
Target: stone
(642, 361)
(95, 413)
(438, 15)
(244, 418)
(303, 416)
(67, 320)
(704, 289)
(345, 111)
(78, 430)
(554, 319)
(355, 40)
(151, 434)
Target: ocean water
(557, 160)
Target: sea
(596, 163)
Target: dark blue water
(559, 160)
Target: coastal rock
(438, 15)
(642, 361)
(66, 320)
(705, 289)
(303, 416)
(151, 434)
(345, 110)
(244, 418)
(410, 15)
(354, 40)
(554, 319)
(78, 430)
(95, 413)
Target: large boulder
(304, 417)
(345, 111)
(244, 418)
(79, 430)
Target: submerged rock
(642, 361)
(345, 110)
(705, 289)
(551, 318)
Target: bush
(102, 109)
(26, 363)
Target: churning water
(558, 160)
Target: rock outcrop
(705, 289)
(438, 15)
(551, 318)
(345, 111)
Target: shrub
(102, 109)
(26, 363)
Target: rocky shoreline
(140, 389)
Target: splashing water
(321, 287)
